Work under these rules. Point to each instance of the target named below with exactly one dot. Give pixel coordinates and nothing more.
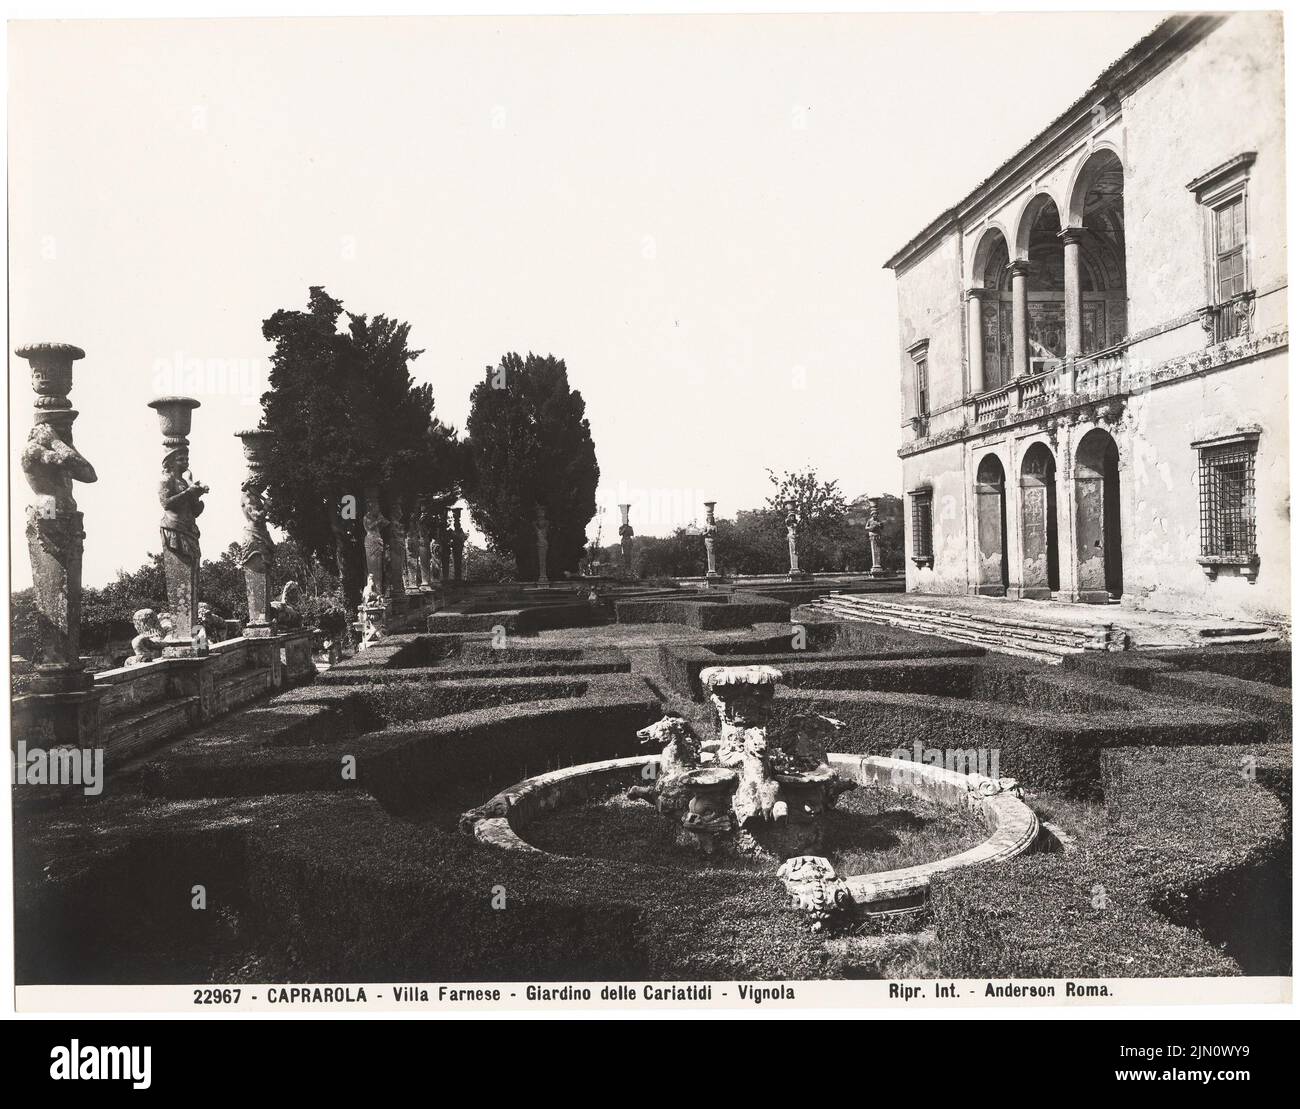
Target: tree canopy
(347, 416)
(530, 444)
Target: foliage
(530, 444)
(485, 564)
(347, 416)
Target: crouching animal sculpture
(696, 798)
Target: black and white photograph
(712, 514)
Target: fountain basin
(1012, 825)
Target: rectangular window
(1230, 248)
(923, 527)
(922, 386)
(1228, 500)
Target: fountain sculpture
(742, 791)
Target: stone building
(1094, 345)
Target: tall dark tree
(530, 444)
(347, 416)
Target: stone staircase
(1039, 634)
(1043, 639)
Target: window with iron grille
(923, 527)
(1228, 500)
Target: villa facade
(1093, 345)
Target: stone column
(1019, 317)
(55, 535)
(256, 551)
(458, 538)
(710, 532)
(1072, 237)
(181, 498)
(975, 338)
(625, 539)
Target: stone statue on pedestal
(64, 702)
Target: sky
(694, 212)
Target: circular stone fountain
(741, 794)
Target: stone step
(1003, 642)
(1046, 636)
(1061, 632)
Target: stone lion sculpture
(148, 642)
(287, 611)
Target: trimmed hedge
(1257, 662)
(1191, 877)
(680, 663)
(706, 613)
(441, 657)
(330, 887)
(1270, 703)
(1047, 750)
(300, 746)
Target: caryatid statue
(874, 528)
(396, 583)
(424, 537)
(458, 537)
(414, 578)
(256, 550)
(543, 544)
(181, 498)
(55, 536)
(442, 541)
(375, 523)
(625, 534)
(710, 532)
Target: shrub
(1189, 844)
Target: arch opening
(1099, 547)
(1097, 207)
(992, 577)
(1040, 560)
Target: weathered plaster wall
(1221, 99)
(943, 470)
(930, 306)
(1161, 519)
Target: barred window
(923, 527)
(1228, 499)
